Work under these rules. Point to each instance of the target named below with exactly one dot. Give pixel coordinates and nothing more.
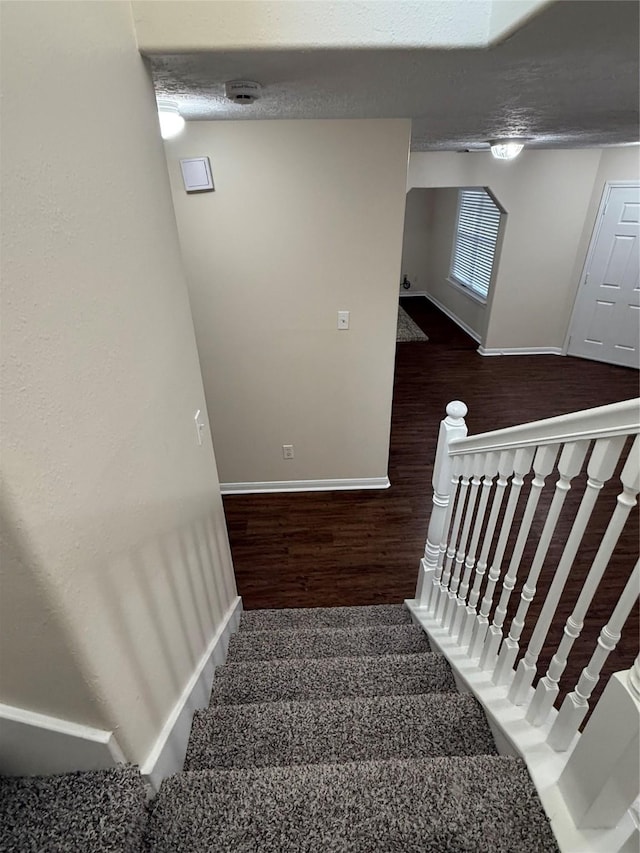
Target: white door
(606, 318)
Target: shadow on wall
(114, 645)
(37, 669)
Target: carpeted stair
(337, 730)
(102, 810)
(329, 730)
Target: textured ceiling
(568, 78)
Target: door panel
(606, 317)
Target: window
(476, 235)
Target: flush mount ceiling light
(171, 122)
(505, 149)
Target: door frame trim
(595, 233)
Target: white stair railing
(488, 512)
(576, 704)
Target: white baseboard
(167, 754)
(488, 351)
(37, 744)
(412, 292)
(304, 486)
(465, 328)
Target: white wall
(116, 570)
(545, 194)
(306, 220)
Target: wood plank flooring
(352, 548)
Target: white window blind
(476, 236)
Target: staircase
(335, 730)
(340, 730)
(328, 730)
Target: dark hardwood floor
(352, 548)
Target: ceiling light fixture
(171, 122)
(505, 149)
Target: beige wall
(180, 26)
(116, 568)
(416, 239)
(306, 220)
(546, 195)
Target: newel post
(453, 426)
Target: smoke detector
(242, 91)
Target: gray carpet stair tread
(325, 617)
(480, 804)
(327, 642)
(331, 678)
(100, 810)
(364, 729)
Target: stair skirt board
(304, 486)
(32, 743)
(168, 752)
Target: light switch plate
(343, 319)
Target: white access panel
(196, 174)
(606, 318)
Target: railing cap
(602, 422)
(456, 410)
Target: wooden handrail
(601, 422)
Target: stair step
(331, 678)
(96, 810)
(363, 729)
(325, 617)
(479, 804)
(327, 642)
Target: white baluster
(453, 597)
(569, 465)
(436, 584)
(576, 704)
(490, 468)
(543, 462)
(602, 463)
(521, 467)
(465, 466)
(505, 469)
(453, 426)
